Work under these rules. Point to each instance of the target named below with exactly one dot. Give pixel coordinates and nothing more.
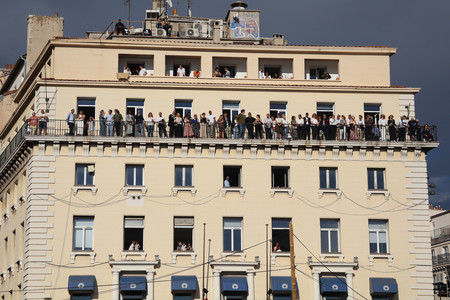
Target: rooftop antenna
(128, 2)
(189, 8)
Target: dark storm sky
(419, 29)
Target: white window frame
(135, 108)
(375, 179)
(185, 226)
(86, 167)
(191, 109)
(325, 111)
(83, 233)
(233, 228)
(183, 180)
(329, 230)
(278, 110)
(134, 174)
(377, 231)
(327, 178)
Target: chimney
(278, 40)
(40, 30)
(216, 32)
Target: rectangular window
(280, 235)
(183, 107)
(135, 105)
(84, 174)
(184, 175)
(134, 175)
(87, 105)
(183, 229)
(278, 108)
(328, 178)
(232, 174)
(231, 108)
(373, 110)
(378, 236)
(329, 235)
(375, 179)
(133, 233)
(325, 108)
(232, 234)
(280, 177)
(83, 233)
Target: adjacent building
(440, 241)
(86, 214)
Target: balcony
(441, 259)
(440, 235)
(286, 136)
(316, 69)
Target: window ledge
(389, 257)
(386, 193)
(274, 256)
(192, 254)
(125, 254)
(73, 254)
(224, 255)
(177, 189)
(134, 188)
(77, 188)
(338, 192)
(332, 255)
(226, 190)
(281, 190)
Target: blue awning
(81, 283)
(133, 284)
(184, 283)
(234, 284)
(282, 284)
(333, 285)
(383, 286)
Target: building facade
(440, 241)
(87, 214)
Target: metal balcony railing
(201, 131)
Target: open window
(280, 235)
(183, 229)
(322, 69)
(231, 108)
(134, 61)
(87, 105)
(233, 175)
(280, 177)
(133, 234)
(278, 108)
(236, 66)
(373, 110)
(183, 107)
(325, 108)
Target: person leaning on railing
(33, 124)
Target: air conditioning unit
(192, 32)
(160, 32)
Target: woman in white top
(178, 125)
(314, 127)
(360, 127)
(150, 122)
(80, 123)
(382, 126)
(285, 126)
(279, 126)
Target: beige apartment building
(86, 214)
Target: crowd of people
(243, 125)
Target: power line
(334, 274)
